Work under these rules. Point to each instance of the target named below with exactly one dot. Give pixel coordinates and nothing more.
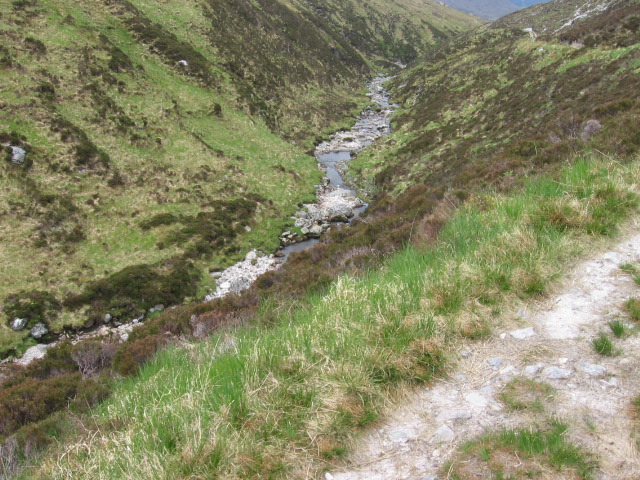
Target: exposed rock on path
(550, 342)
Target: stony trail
(550, 341)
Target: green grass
(603, 345)
(633, 308)
(281, 402)
(526, 394)
(618, 328)
(631, 270)
(522, 453)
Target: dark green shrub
(34, 400)
(46, 91)
(35, 45)
(86, 153)
(119, 61)
(157, 220)
(36, 306)
(57, 361)
(135, 289)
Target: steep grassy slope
(285, 402)
(154, 137)
(498, 103)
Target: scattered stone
(104, 331)
(316, 231)
(399, 436)
(443, 434)
(216, 275)
(107, 318)
(557, 373)
(523, 333)
(533, 369)
(430, 477)
(507, 371)
(328, 476)
(476, 400)
(33, 353)
(240, 276)
(157, 308)
(18, 155)
(612, 382)
(562, 361)
(18, 323)
(503, 336)
(448, 415)
(591, 369)
(495, 362)
(523, 314)
(39, 330)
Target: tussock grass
(284, 402)
(526, 394)
(523, 453)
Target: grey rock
(107, 318)
(252, 255)
(18, 155)
(38, 330)
(495, 362)
(399, 436)
(591, 369)
(18, 323)
(523, 333)
(443, 434)
(216, 275)
(533, 369)
(157, 308)
(34, 353)
(557, 373)
(316, 231)
(476, 400)
(239, 284)
(448, 415)
(523, 314)
(430, 477)
(304, 230)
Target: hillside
(163, 141)
(502, 102)
(512, 152)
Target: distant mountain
(490, 9)
(487, 9)
(526, 3)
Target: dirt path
(549, 342)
